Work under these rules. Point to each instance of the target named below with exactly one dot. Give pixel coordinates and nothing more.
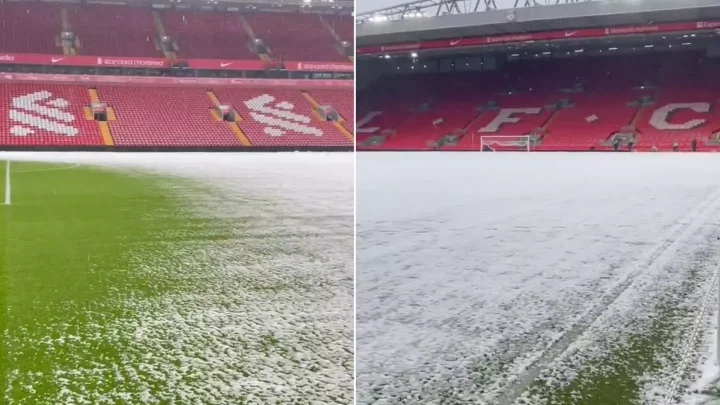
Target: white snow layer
(477, 273)
(224, 341)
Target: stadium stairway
(208, 35)
(103, 125)
(162, 32)
(295, 36)
(251, 34)
(232, 124)
(340, 125)
(281, 117)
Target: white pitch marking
(7, 183)
(47, 170)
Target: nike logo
(55, 60)
(226, 64)
(453, 43)
(571, 33)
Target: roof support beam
(428, 8)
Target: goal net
(498, 143)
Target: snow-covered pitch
(515, 278)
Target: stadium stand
(343, 25)
(155, 116)
(295, 36)
(281, 118)
(600, 98)
(46, 115)
(208, 35)
(342, 100)
(121, 30)
(162, 116)
(230, 102)
(109, 30)
(557, 84)
(15, 18)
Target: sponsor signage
(219, 64)
(159, 63)
(82, 60)
(541, 36)
(320, 66)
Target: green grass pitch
(72, 239)
(113, 290)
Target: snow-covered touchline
(692, 339)
(51, 169)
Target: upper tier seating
(108, 30)
(128, 31)
(344, 26)
(295, 36)
(208, 35)
(16, 17)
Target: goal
(497, 143)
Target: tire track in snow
(681, 231)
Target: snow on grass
(253, 306)
(528, 278)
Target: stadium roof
(427, 8)
(390, 26)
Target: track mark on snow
(692, 340)
(682, 230)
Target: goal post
(498, 143)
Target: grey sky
(363, 6)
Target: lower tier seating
(46, 115)
(280, 118)
(154, 116)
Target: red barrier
(160, 63)
(173, 81)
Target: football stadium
(537, 202)
(146, 255)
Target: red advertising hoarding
(541, 36)
(173, 81)
(319, 66)
(160, 63)
(219, 64)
